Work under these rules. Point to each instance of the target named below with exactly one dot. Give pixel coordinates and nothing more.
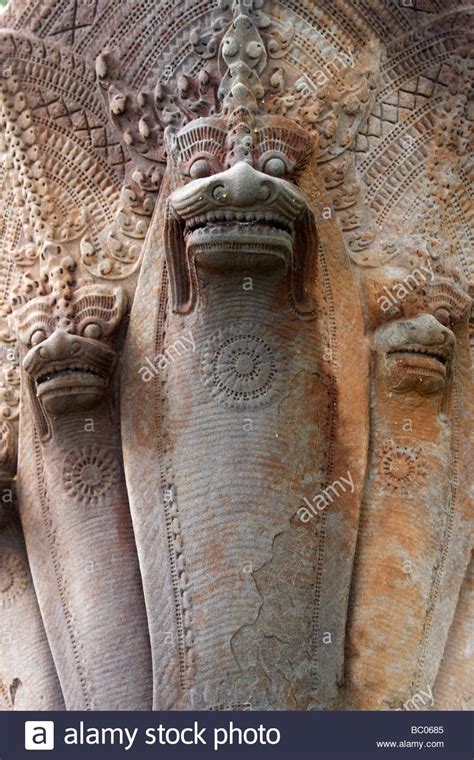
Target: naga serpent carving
(236, 293)
(75, 511)
(413, 490)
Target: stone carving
(65, 338)
(233, 214)
(235, 292)
(28, 679)
(418, 311)
(402, 467)
(89, 473)
(241, 369)
(65, 329)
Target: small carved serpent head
(413, 315)
(69, 358)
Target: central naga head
(234, 199)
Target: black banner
(368, 736)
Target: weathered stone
(236, 290)
(28, 675)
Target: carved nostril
(220, 194)
(447, 336)
(265, 191)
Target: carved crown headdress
(242, 78)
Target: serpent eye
(200, 168)
(275, 167)
(37, 337)
(92, 330)
(443, 316)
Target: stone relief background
(235, 388)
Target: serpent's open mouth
(69, 379)
(67, 371)
(239, 232)
(239, 219)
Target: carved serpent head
(229, 196)
(235, 200)
(66, 334)
(413, 314)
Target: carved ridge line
(32, 10)
(439, 568)
(8, 241)
(108, 15)
(77, 87)
(174, 557)
(464, 262)
(60, 581)
(466, 184)
(138, 17)
(386, 207)
(319, 549)
(182, 630)
(419, 49)
(465, 222)
(367, 10)
(70, 169)
(387, 143)
(56, 16)
(6, 695)
(88, 147)
(328, 36)
(149, 61)
(329, 15)
(397, 163)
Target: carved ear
(177, 262)
(304, 263)
(40, 419)
(165, 239)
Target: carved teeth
(430, 352)
(68, 371)
(245, 218)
